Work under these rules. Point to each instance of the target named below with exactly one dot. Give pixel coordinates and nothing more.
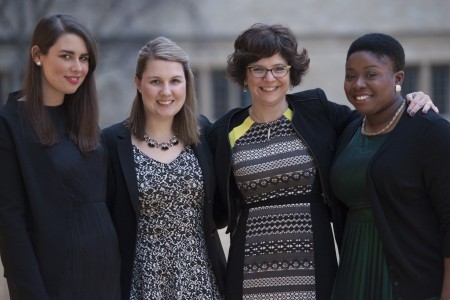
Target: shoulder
(229, 119)
(9, 109)
(308, 94)
(9, 116)
(204, 123)
(422, 120)
(312, 94)
(310, 100)
(316, 101)
(115, 131)
(430, 130)
(315, 98)
(435, 122)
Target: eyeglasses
(277, 72)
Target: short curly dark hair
(382, 45)
(261, 41)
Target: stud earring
(398, 88)
(38, 63)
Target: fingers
(435, 108)
(419, 101)
(429, 105)
(409, 97)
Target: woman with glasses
(272, 163)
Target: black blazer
(33, 212)
(123, 199)
(316, 119)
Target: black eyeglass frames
(277, 72)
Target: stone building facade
(206, 30)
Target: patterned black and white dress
(171, 258)
(273, 254)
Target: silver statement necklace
(363, 131)
(163, 146)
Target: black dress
(92, 269)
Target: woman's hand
(417, 101)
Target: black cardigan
(123, 200)
(409, 188)
(316, 120)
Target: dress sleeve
(16, 247)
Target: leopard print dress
(171, 257)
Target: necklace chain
(163, 146)
(251, 112)
(266, 124)
(258, 120)
(269, 124)
(363, 131)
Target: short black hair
(382, 45)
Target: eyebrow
(72, 52)
(277, 64)
(159, 77)
(366, 67)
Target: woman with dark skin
(392, 173)
(57, 240)
(272, 164)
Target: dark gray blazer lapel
(126, 158)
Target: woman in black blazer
(161, 185)
(57, 240)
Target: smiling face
(64, 67)
(163, 88)
(370, 83)
(268, 90)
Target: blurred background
(206, 30)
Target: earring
(398, 88)
(245, 88)
(38, 63)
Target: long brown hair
(185, 124)
(82, 106)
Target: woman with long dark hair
(57, 240)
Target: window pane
(440, 81)
(197, 91)
(4, 86)
(411, 81)
(220, 93)
(245, 98)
